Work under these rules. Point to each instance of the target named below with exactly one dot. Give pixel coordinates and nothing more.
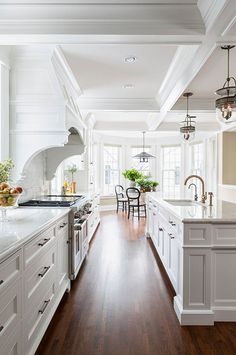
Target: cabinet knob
(1, 328)
(171, 236)
(160, 229)
(1, 282)
(172, 223)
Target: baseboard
(224, 314)
(193, 317)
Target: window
(197, 159)
(136, 164)
(111, 169)
(171, 159)
(197, 163)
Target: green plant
(72, 169)
(132, 174)
(146, 185)
(154, 185)
(5, 170)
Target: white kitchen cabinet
(10, 311)
(32, 283)
(173, 259)
(62, 251)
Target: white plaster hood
(54, 156)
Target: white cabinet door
(173, 260)
(165, 246)
(150, 220)
(62, 258)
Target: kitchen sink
(181, 202)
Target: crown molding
(104, 18)
(210, 10)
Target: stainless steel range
(53, 201)
(78, 225)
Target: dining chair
(121, 200)
(133, 196)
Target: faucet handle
(204, 197)
(211, 196)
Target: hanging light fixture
(226, 105)
(187, 128)
(143, 156)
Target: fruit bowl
(9, 197)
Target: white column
(4, 109)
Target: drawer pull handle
(172, 223)
(45, 241)
(161, 229)
(1, 328)
(45, 270)
(171, 236)
(45, 304)
(1, 282)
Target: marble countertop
(24, 223)
(220, 212)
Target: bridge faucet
(204, 194)
(195, 187)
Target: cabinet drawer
(38, 246)
(37, 276)
(10, 270)
(34, 320)
(14, 343)
(62, 225)
(10, 311)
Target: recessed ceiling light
(130, 59)
(128, 86)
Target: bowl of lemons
(9, 197)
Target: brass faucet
(204, 194)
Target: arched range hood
(55, 156)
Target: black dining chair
(133, 196)
(121, 200)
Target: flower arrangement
(72, 169)
(5, 170)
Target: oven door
(77, 254)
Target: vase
(73, 187)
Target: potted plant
(132, 175)
(154, 185)
(144, 184)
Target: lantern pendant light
(187, 129)
(226, 105)
(144, 156)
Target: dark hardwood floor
(122, 303)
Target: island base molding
(204, 317)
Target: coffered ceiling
(175, 43)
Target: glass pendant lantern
(226, 104)
(144, 156)
(187, 129)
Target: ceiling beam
(186, 65)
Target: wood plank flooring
(122, 303)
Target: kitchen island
(197, 246)
(33, 275)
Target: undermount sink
(180, 202)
